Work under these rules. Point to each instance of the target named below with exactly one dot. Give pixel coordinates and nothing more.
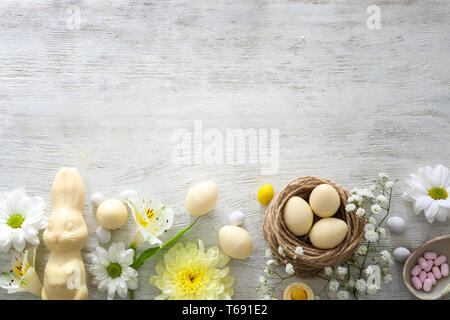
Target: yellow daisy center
(150, 213)
(114, 270)
(438, 193)
(20, 270)
(15, 221)
(190, 279)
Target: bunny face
(66, 231)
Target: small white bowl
(441, 245)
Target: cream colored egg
(235, 242)
(201, 198)
(112, 214)
(298, 216)
(327, 233)
(324, 200)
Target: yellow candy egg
(265, 194)
(324, 200)
(112, 214)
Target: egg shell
(401, 254)
(324, 200)
(201, 198)
(235, 242)
(97, 198)
(236, 218)
(396, 224)
(112, 214)
(327, 233)
(103, 235)
(298, 216)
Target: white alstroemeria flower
(112, 270)
(343, 295)
(299, 251)
(290, 269)
(21, 218)
(151, 218)
(333, 285)
(430, 189)
(22, 276)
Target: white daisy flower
(333, 285)
(375, 209)
(151, 218)
(289, 269)
(361, 285)
(372, 236)
(343, 295)
(430, 189)
(299, 251)
(112, 270)
(360, 212)
(21, 218)
(350, 207)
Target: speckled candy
(436, 272)
(416, 270)
(430, 255)
(427, 285)
(440, 260)
(422, 276)
(416, 283)
(430, 276)
(444, 269)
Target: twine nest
(313, 260)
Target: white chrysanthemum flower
(360, 212)
(372, 289)
(290, 269)
(372, 236)
(361, 285)
(375, 209)
(151, 218)
(429, 191)
(372, 221)
(362, 250)
(382, 232)
(342, 271)
(112, 270)
(343, 295)
(333, 285)
(350, 207)
(281, 251)
(389, 184)
(328, 271)
(299, 251)
(269, 254)
(385, 255)
(21, 218)
(381, 199)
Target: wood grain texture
(348, 101)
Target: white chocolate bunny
(65, 236)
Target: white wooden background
(348, 101)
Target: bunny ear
(68, 189)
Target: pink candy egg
(430, 276)
(430, 255)
(436, 272)
(416, 283)
(416, 270)
(429, 265)
(440, 260)
(422, 263)
(422, 276)
(444, 270)
(427, 285)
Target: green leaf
(147, 254)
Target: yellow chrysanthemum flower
(189, 272)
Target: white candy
(125, 194)
(396, 224)
(400, 254)
(236, 218)
(96, 199)
(104, 236)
